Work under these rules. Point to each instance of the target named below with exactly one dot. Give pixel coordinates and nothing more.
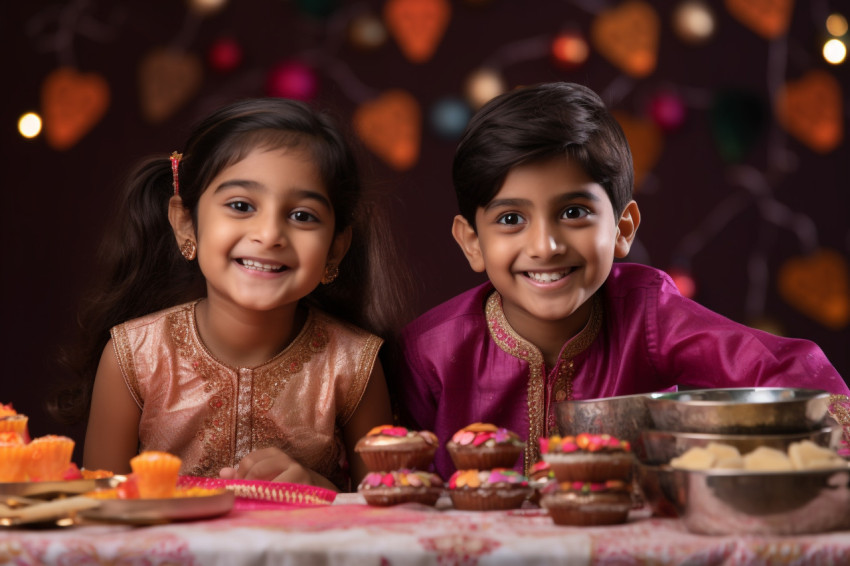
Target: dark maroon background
(55, 204)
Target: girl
(257, 300)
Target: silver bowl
(661, 446)
(756, 410)
(722, 502)
(623, 417)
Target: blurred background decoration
(736, 112)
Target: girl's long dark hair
(142, 270)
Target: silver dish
(623, 417)
(757, 410)
(661, 446)
(722, 502)
(166, 510)
(51, 489)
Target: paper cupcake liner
(386, 496)
(489, 499)
(587, 510)
(591, 468)
(385, 460)
(486, 458)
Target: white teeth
(251, 264)
(546, 277)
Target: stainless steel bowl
(661, 446)
(757, 410)
(722, 502)
(624, 417)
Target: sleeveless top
(212, 415)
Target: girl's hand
(273, 464)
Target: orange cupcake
(49, 457)
(156, 474)
(14, 458)
(12, 421)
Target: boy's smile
(547, 241)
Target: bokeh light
(836, 25)
(570, 50)
(29, 125)
(834, 51)
(483, 85)
(693, 22)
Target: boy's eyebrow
(254, 185)
(564, 197)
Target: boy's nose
(545, 240)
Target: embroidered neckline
(515, 345)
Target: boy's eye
(303, 216)
(575, 212)
(240, 206)
(510, 218)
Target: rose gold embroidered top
(212, 415)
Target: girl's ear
(181, 221)
(626, 229)
(339, 246)
(467, 239)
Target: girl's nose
(269, 230)
(545, 240)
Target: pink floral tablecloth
(349, 532)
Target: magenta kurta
(465, 364)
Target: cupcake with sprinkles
(484, 446)
(587, 503)
(539, 477)
(401, 486)
(388, 447)
(488, 490)
(588, 457)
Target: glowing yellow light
(29, 125)
(834, 51)
(836, 25)
(206, 7)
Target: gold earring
(331, 273)
(188, 249)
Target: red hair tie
(175, 161)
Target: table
(350, 532)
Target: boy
(544, 179)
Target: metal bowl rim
(805, 395)
(652, 432)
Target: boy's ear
(181, 221)
(339, 246)
(467, 239)
(626, 229)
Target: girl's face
(265, 229)
(547, 241)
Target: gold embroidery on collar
(515, 345)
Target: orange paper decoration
(72, 103)
(628, 37)
(768, 18)
(417, 25)
(645, 140)
(391, 126)
(818, 286)
(167, 80)
(811, 110)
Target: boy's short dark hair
(537, 123)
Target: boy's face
(547, 241)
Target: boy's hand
(273, 464)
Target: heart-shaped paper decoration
(391, 127)
(811, 110)
(628, 37)
(72, 103)
(768, 18)
(818, 286)
(417, 25)
(167, 80)
(645, 140)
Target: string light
(836, 25)
(834, 51)
(29, 125)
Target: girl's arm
(374, 410)
(112, 436)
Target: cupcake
(588, 503)
(156, 474)
(14, 458)
(401, 486)
(12, 421)
(539, 477)
(389, 447)
(588, 457)
(49, 457)
(484, 446)
(488, 490)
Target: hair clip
(175, 161)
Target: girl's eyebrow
(255, 186)
(565, 197)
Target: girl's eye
(511, 219)
(576, 212)
(240, 206)
(303, 216)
